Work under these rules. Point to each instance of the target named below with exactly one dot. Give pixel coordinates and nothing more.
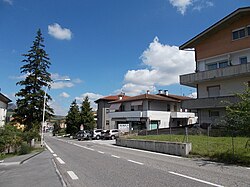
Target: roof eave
(192, 42)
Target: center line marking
(72, 175)
(136, 162)
(195, 179)
(115, 156)
(55, 155)
(60, 160)
(101, 152)
(48, 148)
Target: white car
(96, 134)
(112, 134)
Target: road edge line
(59, 174)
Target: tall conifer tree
(31, 96)
(87, 116)
(73, 119)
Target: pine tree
(87, 116)
(73, 119)
(30, 98)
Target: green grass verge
(214, 148)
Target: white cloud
(92, 98)
(58, 32)
(183, 5)
(58, 109)
(10, 2)
(61, 84)
(77, 81)
(20, 77)
(193, 95)
(164, 64)
(64, 94)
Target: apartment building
(149, 111)
(3, 108)
(222, 55)
(103, 109)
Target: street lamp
(44, 103)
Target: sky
(106, 47)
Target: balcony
(212, 102)
(220, 73)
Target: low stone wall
(173, 148)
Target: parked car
(84, 135)
(112, 134)
(96, 134)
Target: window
(168, 107)
(248, 30)
(213, 91)
(239, 34)
(212, 66)
(223, 64)
(243, 60)
(132, 108)
(213, 113)
(122, 107)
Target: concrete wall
(227, 87)
(3, 110)
(180, 149)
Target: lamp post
(44, 104)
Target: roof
(111, 98)
(146, 97)
(237, 14)
(177, 97)
(4, 98)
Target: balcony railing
(212, 102)
(220, 73)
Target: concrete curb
(31, 157)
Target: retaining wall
(173, 148)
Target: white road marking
(72, 175)
(49, 148)
(136, 162)
(195, 179)
(55, 155)
(101, 152)
(115, 156)
(60, 160)
(89, 148)
(9, 163)
(248, 168)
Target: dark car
(84, 135)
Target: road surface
(99, 163)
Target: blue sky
(106, 47)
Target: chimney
(160, 92)
(121, 95)
(148, 92)
(166, 92)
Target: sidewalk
(31, 170)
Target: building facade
(149, 111)
(103, 106)
(222, 55)
(3, 108)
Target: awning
(115, 106)
(136, 103)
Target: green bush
(24, 149)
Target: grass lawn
(215, 148)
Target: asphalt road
(99, 163)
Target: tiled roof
(111, 98)
(146, 97)
(178, 97)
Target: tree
(31, 96)
(73, 119)
(237, 118)
(87, 116)
(238, 114)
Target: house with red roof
(103, 121)
(149, 111)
